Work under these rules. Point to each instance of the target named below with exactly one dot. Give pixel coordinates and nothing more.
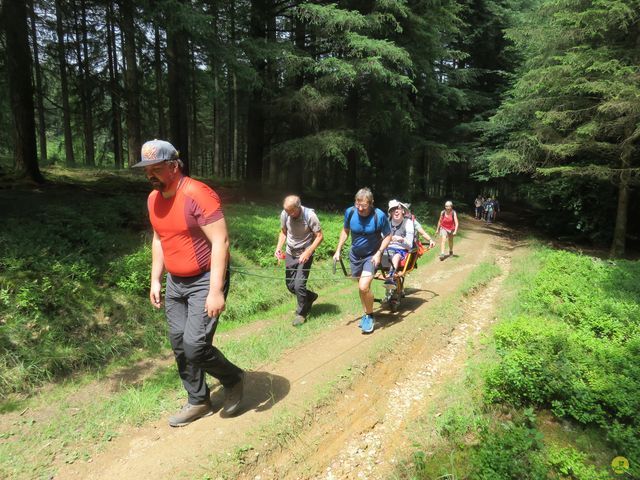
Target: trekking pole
(344, 270)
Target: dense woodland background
(536, 101)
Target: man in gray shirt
(301, 230)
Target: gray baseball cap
(156, 151)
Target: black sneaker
(233, 397)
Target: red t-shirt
(177, 221)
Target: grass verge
(479, 277)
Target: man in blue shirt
(370, 236)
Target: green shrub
(574, 346)
(570, 463)
(510, 451)
(589, 294)
(132, 273)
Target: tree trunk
(618, 245)
(116, 118)
(193, 143)
(16, 27)
(178, 75)
(352, 155)
(255, 114)
(272, 82)
(157, 56)
(64, 87)
(273, 170)
(216, 123)
(231, 113)
(42, 130)
(82, 52)
(132, 91)
(295, 171)
(620, 230)
(215, 104)
(236, 157)
(231, 153)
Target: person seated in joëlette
(402, 238)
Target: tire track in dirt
(368, 454)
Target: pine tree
(574, 108)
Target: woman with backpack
(447, 228)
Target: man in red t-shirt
(190, 242)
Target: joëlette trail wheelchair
(395, 292)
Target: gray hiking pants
(191, 334)
(296, 276)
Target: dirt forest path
(356, 434)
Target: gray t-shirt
(300, 231)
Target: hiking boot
(298, 320)
(367, 323)
(190, 413)
(233, 397)
(451, 253)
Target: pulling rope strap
(258, 271)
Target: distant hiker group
(486, 209)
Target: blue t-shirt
(364, 238)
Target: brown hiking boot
(233, 397)
(190, 413)
(298, 320)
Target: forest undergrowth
(555, 390)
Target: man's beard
(157, 185)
